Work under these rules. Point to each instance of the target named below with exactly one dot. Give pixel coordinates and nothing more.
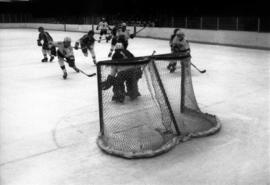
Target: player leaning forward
(45, 37)
(123, 75)
(122, 35)
(179, 46)
(87, 43)
(65, 54)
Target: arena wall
(221, 37)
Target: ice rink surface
(49, 126)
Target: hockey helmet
(67, 39)
(180, 33)
(91, 32)
(40, 29)
(67, 42)
(175, 31)
(123, 24)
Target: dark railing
(235, 23)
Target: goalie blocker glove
(108, 82)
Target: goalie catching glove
(108, 83)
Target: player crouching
(121, 75)
(65, 54)
(87, 43)
(46, 49)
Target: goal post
(163, 113)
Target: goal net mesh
(164, 113)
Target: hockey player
(172, 37)
(121, 75)
(172, 65)
(114, 39)
(46, 49)
(65, 54)
(122, 35)
(103, 26)
(87, 43)
(179, 46)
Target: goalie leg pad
(132, 83)
(119, 87)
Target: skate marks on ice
(76, 127)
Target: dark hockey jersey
(45, 37)
(86, 40)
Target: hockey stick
(140, 30)
(89, 75)
(201, 71)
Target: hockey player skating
(46, 49)
(87, 43)
(123, 75)
(114, 39)
(65, 54)
(179, 46)
(172, 37)
(122, 36)
(103, 27)
(172, 65)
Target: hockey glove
(76, 46)
(108, 83)
(108, 38)
(132, 36)
(39, 43)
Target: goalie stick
(201, 71)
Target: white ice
(49, 126)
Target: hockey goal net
(165, 112)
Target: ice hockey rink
(49, 126)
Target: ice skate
(51, 59)
(65, 75)
(45, 59)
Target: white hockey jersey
(180, 46)
(66, 52)
(103, 25)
